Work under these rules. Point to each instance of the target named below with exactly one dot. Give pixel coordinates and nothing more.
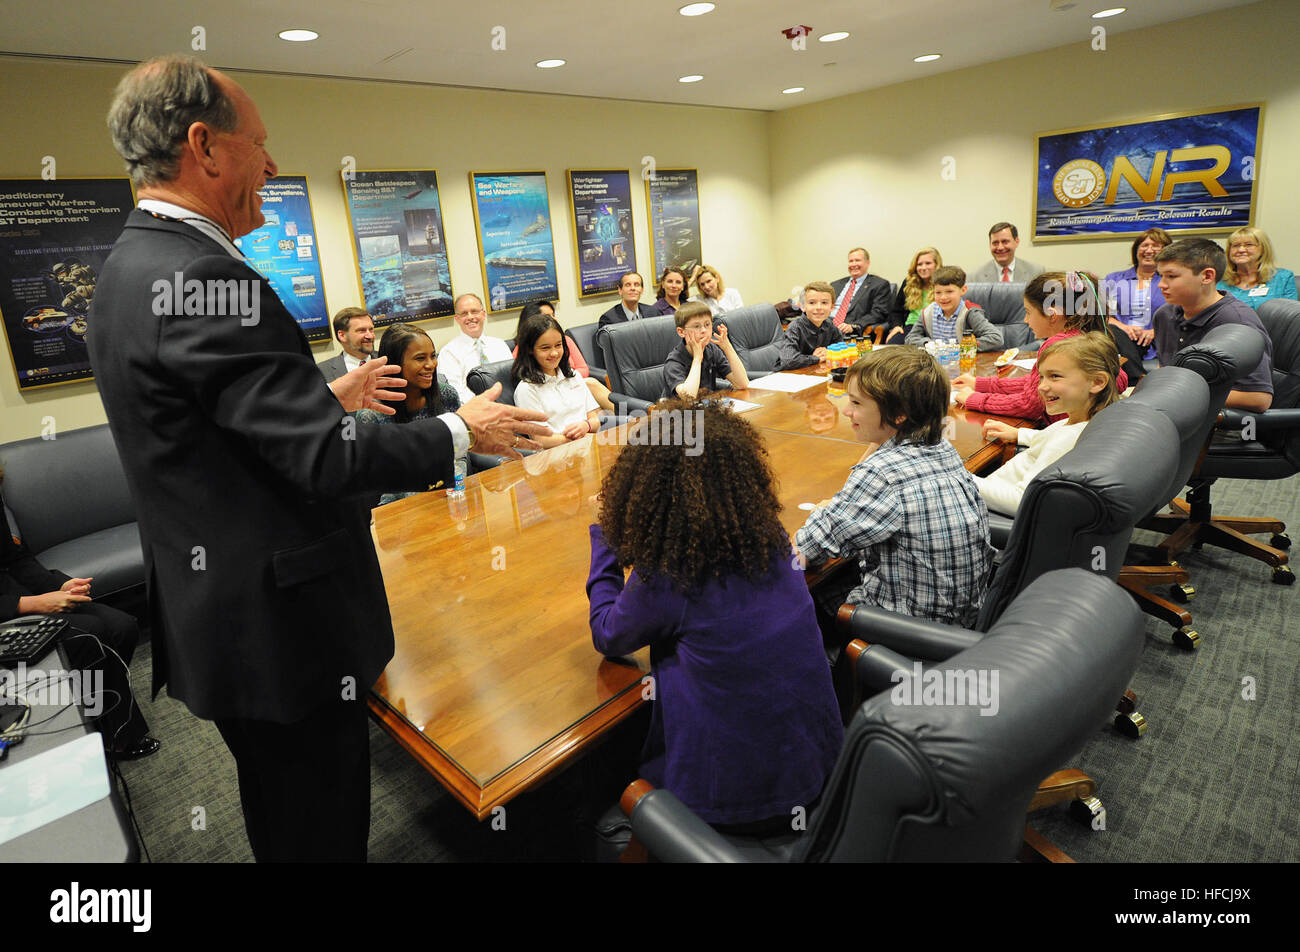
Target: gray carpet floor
(1215, 778)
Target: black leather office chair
(1004, 306)
(635, 352)
(755, 331)
(484, 376)
(584, 335)
(1079, 512)
(1257, 446)
(1191, 394)
(945, 783)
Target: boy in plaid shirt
(909, 513)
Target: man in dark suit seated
(246, 469)
(629, 307)
(862, 300)
(354, 329)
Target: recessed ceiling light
(690, 79)
(1112, 12)
(549, 64)
(927, 58)
(696, 9)
(832, 37)
(792, 89)
(298, 36)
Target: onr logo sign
(1080, 182)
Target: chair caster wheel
(1089, 812)
(1187, 638)
(1132, 725)
(1283, 575)
(1182, 594)
(1280, 541)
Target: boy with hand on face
(807, 337)
(702, 356)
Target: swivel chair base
(1137, 579)
(1192, 523)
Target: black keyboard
(24, 640)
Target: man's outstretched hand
(365, 387)
(500, 428)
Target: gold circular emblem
(1079, 182)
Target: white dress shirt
(458, 357)
(564, 400)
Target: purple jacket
(745, 725)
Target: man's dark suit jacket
(265, 594)
(615, 314)
(333, 368)
(871, 302)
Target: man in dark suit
(862, 300)
(355, 331)
(627, 309)
(266, 602)
(629, 306)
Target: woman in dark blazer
(99, 640)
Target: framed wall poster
(284, 251)
(604, 243)
(673, 203)
(399, 244)
(512, 221)
(54, 238)
(1189, 173)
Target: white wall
(865, 169)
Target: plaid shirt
(915, 520)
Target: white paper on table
(739, 406)
(1026, 363)
(787, 383)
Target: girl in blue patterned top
(428, 393)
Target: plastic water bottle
(950, 358)
(457, 490)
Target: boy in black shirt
(807, 337)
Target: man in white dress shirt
(1004, 239)
(472, 347)
(355, 330)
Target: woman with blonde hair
(913, 294)
(1252, 277)
(714, 293)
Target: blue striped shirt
(914, 519)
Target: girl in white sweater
(1077, 378)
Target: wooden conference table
(495, 684)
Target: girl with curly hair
(745, 725)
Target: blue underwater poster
(1190, 174)
(512, 215)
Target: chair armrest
(625, 405)
(1269, 421)
(912, 637)
(1000, 529)
(875, 669)
(670, 831)
(478, 462)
